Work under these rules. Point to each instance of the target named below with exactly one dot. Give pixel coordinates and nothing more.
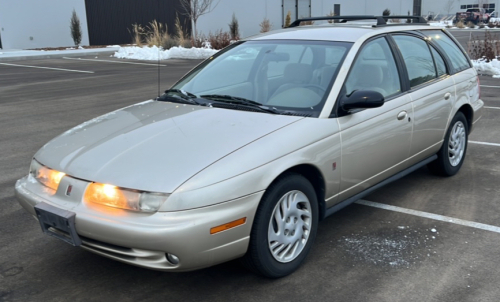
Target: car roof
(335, 32)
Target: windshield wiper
(231, 99)
(239, 102)
(179, 96)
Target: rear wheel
(452, 154)
(284, 227)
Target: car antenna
(159, 57)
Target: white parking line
(486, 107)
(110, 61)
(471, 224)
(489, 86)
(39, 67)
(484, 143)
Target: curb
(56, 55)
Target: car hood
(155, 146)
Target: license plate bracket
(58, 223)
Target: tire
(449, 163)
(281, 226)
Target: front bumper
(143, 239)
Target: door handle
(402, 115)
(447, 96)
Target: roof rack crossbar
(381, 20)
(343, 19)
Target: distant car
(245, 154)
(474, 15)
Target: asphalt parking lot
(422, 238)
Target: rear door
(432, 92)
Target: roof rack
(381, 20)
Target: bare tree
(448, 6)
(194, 9)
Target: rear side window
(440, 65)
(417, 58)
(458, 59)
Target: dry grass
(157, 34)
(288, 19)
(138, 34)
(181, 38)
(265, 25)
(331, 14)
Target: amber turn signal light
(228, 225)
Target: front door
(375, 142)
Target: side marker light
(228, 225)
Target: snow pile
(441, 23)
(152, 53)
(487, 68)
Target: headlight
(124, 199)
(46, 176)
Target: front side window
(458, 59)
(284, 75)
(417, 58)
(374, 69)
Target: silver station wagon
(245, 154)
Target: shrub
(76, 29)
(288, 19)
(471, 25)
(265, 25)
(386, 12)
(234, 28)
(307, 22)
(481, 25)
(491, 24)
(487, 47)
(219, 40)
(460, 24)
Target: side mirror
(362, 99)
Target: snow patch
(487, 68)
(152, 53)
(402, 249)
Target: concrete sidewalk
(7, 55)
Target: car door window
(417, 58)
(458, 59)
(440, 65)
(374, 69)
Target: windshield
(289, 76)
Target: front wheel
(284, 227)
(452, 154)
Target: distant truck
(474, 15)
